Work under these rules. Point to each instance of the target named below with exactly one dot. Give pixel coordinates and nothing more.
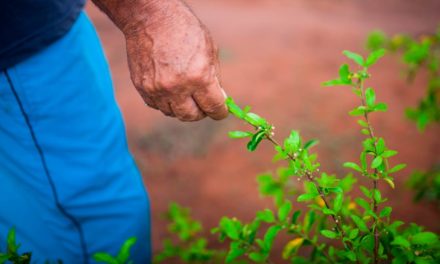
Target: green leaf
(327, 211)
(365, 131)
(295, 216)
(376, 40)
(370, 97)
(284, 210)
(231, 229)
(329, 234)
(240, 134)
(353, 233)
(257, 257)
(309, 220)
(374, 57)
(310, 143)
(266, 216)
(362, 123)
(363, 159)
(358, 111)
(124, 252)
(360, 223)
(255, 120)
(235, 251)
(353, 166)
(401, 241)
(365, 191)
(306, 197)
(397, 168)
(424, 238)
(424, 260)
(12, 245)
(255, 140)
(104, 257)
(377, 161)
(389, 153)
(344, 73)
(380, 146)
(377, 195)
(355, 57)
(381, 107)
(270, 235)
(334, 82)
(336, 189)
(386, 211)
(234, 108)
(364, 204)
(337, 204)
(311, 188)
(367, 242)
(293, 142)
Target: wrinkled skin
(172, 58)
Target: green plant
(189, 245)
(12, 254)
(426, 185)
(417, 54)
(336, 226)
(123, 256)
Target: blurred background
(275, 55)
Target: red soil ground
(277, 53)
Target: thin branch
(310, 177)
(376, 173)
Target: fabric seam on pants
(63, 211)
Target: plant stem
(310, 177)
(360, 85)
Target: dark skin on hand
(172, 58)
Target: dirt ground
(275, 56)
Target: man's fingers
(147, 99)
(211, 100)
(185, 109)
(164, 106)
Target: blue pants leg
(67, 180)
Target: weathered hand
(172, 61)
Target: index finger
(211, 100)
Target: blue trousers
(68, 183)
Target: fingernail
(224, 93)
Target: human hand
(173, 63)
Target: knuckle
(214, 108)
(199, 74)
(167, 83)
(188, 114)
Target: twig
(375, 181)
(310, 177)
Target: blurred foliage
(187, 244)
(11, 255)
(420, 53)
(417, 53)
(123, 256)
(426, 185)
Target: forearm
(131, 16)
(171, 57)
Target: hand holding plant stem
(366, 233)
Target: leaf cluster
(418, 54)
